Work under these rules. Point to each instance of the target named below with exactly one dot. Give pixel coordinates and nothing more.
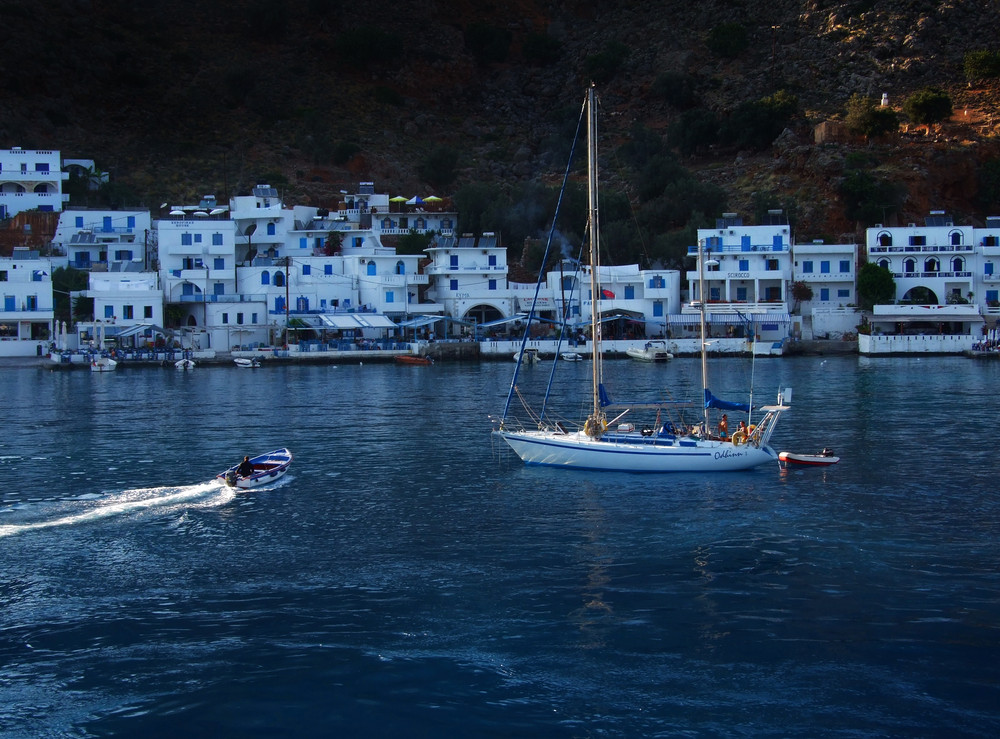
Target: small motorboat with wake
(247, 363)
(264, 469)
(823, 459)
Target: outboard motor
(231, 478)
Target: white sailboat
(613, 445)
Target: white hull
(655, 353)
(103, 365)
(642, 454)
(184, 364)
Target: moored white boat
(267, 468)
(572, 356)
(530, 356)
(601, 443)
(103, 364)
(247, 363)
(184, 364)
(823, 459)
(653, 351)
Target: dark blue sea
(410, 578)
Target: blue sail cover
(712, 402)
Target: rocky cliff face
(177, 98)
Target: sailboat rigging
(662, 447)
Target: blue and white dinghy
(266, 469)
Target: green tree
(875, 286)
(487, 44)
(413, 242)
(603, 66)
(438, 167)
(693, 130)
(928, 106)
(864, 118)
(728, 40)
(541, 49)
(755, 125)
(64, 281)
(981, 65)
(870, 200)
(989, 183)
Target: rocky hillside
(177, 98)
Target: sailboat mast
(595, 292)
(701, 303)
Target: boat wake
(89, 508)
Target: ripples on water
(409, 577)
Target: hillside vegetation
(706, 107)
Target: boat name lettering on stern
(729, 453)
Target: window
(493, 285)
(109, 311)
(741, 294)
(493, 260)
(128, 312)
(187, 289)
(41, 166)
(957, 264)
(197, 238)
(932, 265)
(453, 285)
(772, 265)
(909, 266)
(714, 293)
(991, 241)
(629, 292)
(270, 229)
(824, 267)
(885, 239)
(265, 278)
(130, 223)
(390, 296)
(216, 239)
(988, 268)
(327, 269)
(918, 241)
(79, 222)
(32, 302)
(371, 268)
(253, 318)
(453, 262)
(657, 308)
(279, 279)
(3, 275)
(219, 263)
(883, 263)
(225, 318)
(107, 227)
(218, 288)
(843, 292)
(400, 268)
(807, 266)
(123, 255)
(147, 311)
(303, 242)
(744, 265)
(185, 239)
(239, 319)
(956, 238)
(306, 269)
(845, 266)
(992, 296)
(824, 293)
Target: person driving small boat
(245, 469)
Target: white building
(986, 286)
(97, 238)
(468, 278)
(26, 304)
(932, 264)
(830, 272)
(30, 179)
(127, 305)
(748, 271)
(198, 272)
